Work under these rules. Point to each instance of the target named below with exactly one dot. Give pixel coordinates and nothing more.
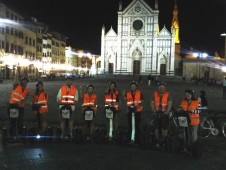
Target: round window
(137, 25)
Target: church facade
(138, 47)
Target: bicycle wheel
(204, 128)
(174, 128)
(223, 129)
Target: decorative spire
(120, 5)
(175, 4)
(156, 5)
(175, 23)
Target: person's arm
(152, 104)
(124, 95)
(59, 97)
(169, 104)
(76, 97)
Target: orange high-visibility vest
(41, 99)
(136, 100)
(67, 96)
(90, 101)
(17, 95)
(192, 108)
(158, 101)
(110, 98)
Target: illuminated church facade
(139, 47)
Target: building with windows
(139, 47)
(27, 46)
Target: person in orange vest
(161, 103)
(190, 104)
(111, 102)
(18, 97)
(89, 108)
(134, 99)
(67, 98)
(40, 105)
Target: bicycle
(206, 125)
(174, 128)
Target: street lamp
(224, 35)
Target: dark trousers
(137, 125)
(17, 123)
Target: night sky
(201, 21)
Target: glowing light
(223, 68)
(38, 136)
(195, 55)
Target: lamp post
(224, 35)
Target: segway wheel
(100, 135)
(122, 137)
(32, 135)
(49, 134)
(57, 134)
(24, 135)
(149, 141)
(77, 135)
(4, 136)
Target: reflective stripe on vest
(18, 94)
(111, 99)
(67, 97)
(192, 107)
(42, 100)
(136, 101)
(164, 101)
(90, 101)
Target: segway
(149, 135)
(109, 112)
(66, 113)
(88, 114)
(163, 143)
(10, 135)
(124, 137)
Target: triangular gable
(164, 32)
(145, 7)
(137, 44)
(111, 33)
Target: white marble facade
(138, 47)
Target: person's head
(161, 86)
(189, 94)
(24, 81)
(112, 85)
(39, 85)
(133, 85)
(69, 81)
(90, 88)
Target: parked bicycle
(206, 125)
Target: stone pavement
(68, 156)
(93, 156)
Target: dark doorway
(136, 67)
(110, 68)
(162, 69)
